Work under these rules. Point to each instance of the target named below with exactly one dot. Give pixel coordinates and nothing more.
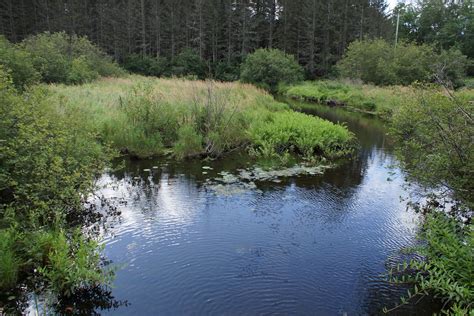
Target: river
(310, 245)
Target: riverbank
(147, 117)
(379, 101)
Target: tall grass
(146, 117)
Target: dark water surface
(311, 245)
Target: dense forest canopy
(445, 23)
(316, 32)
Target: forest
(191, 149)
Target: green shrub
(48, 163)
(227, 72)
(269, 67)
(18, 63)
(189, 64)
(444, 265)
(81, 72)
(53, 55)
(378, 62)
(434, 134)
(451, 66)
(146, 65)
(412, 63)
(66, 262)
(369, 61)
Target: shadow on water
(307, 245)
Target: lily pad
(230, 184)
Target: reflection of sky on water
(309, 245)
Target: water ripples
(309, 245)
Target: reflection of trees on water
(89, 302)
(85, 301)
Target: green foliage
(189, 64)
(451, 67)
(269, 67)
(445, 24)
(66, 261)
(48, 163)
(379, 100)
(147, 117)
(227, 71)
(146, 65)
(189, 142)
(143, 124)
(56, 55)
(81, 72)
(445, 265)
(380, 63)
(299, 133)
(9, 263)
(18, 63)
(434, 133)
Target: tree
(268, 67)
(316, 32)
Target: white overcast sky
(392, 4)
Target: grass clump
(291, 132)
(146, 117)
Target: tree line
(316, 32)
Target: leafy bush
(188, 64)
(269, 67)
(53, 56)
(227, 71)
(444, 265)
(378, 62)
(18, 63)
(48, 163)
(81, 72)
(146, 65)
(450, 66)
(434, 134)
(66, 261)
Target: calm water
(309, 245)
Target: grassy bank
(366, 98)
(146, 117)
(380, 101)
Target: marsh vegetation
(149, 87)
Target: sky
(392, 4)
